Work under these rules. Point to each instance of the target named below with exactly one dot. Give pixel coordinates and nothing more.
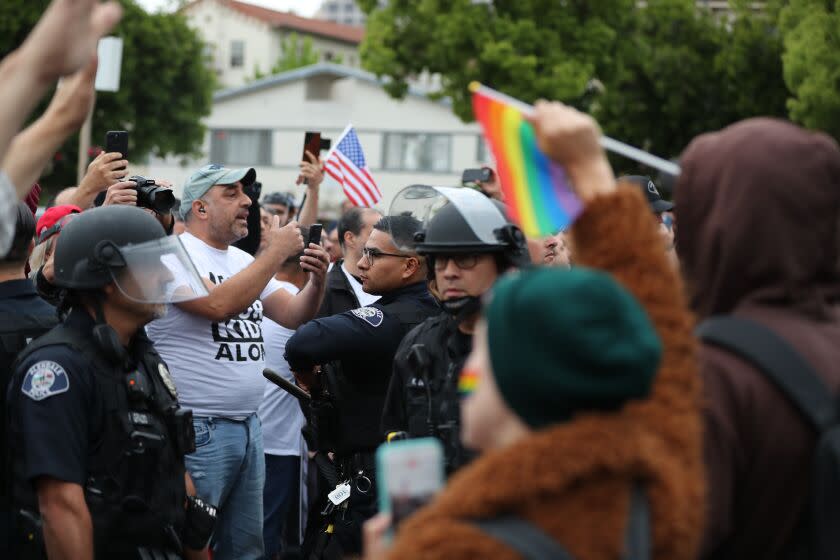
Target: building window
(328, 56)
(332, 8)
(482, 154)
(417, 152)
(237, 54)
(240, 147)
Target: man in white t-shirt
(215, 347)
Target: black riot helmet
(460, 220)
(127, 246)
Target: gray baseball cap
(210, 175)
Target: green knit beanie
(564, 341)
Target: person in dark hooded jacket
(758, 205)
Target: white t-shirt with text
(217, 367)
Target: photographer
(153, 196)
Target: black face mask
(462, 308)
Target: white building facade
(341, 11)
(242, 38)
(409, 141)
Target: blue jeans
(282, 486)
(228, 469)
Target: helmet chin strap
(105, 335)
(462, 308)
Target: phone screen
(117, 141)
(311, 144)
(315, 233)
(409, 473)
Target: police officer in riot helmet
(96, 434)
(462, 265)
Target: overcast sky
(302, 7)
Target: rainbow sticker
(468, 381)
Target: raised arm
(293, 311)
(617, 233)
(62, 43)
(234, 295)
(313, 172)
(33, 148)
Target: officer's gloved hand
(199, 523)
(307, 380)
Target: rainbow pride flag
(536, 190)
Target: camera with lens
(153, 196)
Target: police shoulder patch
(370, 315)
(45, 379)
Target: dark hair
(402, 230)
(352, 221)
(24, 232)
(280, 198)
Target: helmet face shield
(158, 271)
(423, 203)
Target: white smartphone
(408, 475)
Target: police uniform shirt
(364, 341)
(364, 334)
(58, 409)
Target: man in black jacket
(344, 289)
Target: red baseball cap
(53, 219)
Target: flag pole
(606, 142)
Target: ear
(110, 289)
(197, 206)
(348, 238)
(410, 266)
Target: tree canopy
(654, 75)
(165, 85)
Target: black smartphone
(117, 141)
(481, 175)
(326, 144)
(315, 233)
(311, 144)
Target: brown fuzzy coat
(573, 480)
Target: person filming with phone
(216, 349)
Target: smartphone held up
(408, 475)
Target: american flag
(346, 164)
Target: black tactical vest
(431, 395)
(135, 482)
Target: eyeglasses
(464, 262)
(372, 254)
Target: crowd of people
(655, 381)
